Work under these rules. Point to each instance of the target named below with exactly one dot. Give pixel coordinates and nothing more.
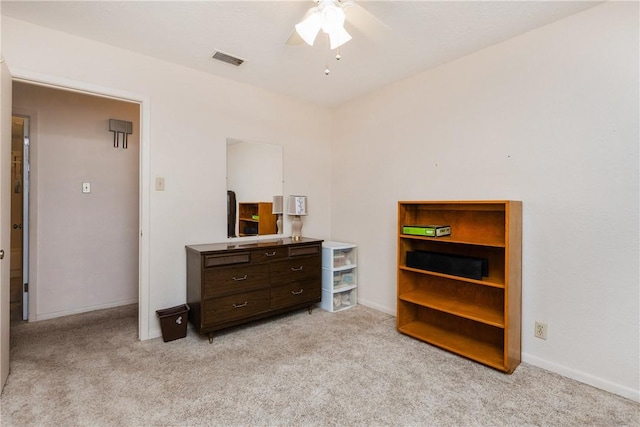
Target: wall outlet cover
(540, 330)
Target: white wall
(86, 245)
(549, 118)
(191, 116)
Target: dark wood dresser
(233, 283)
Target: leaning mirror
(254, 188)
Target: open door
(5, 217)
(19, 275)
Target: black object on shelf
(250, 229)
(455, 265)
(173, 322)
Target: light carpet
(350, 368)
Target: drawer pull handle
(297, 292)
(240, 305)
(270, 253)
(238, 279)
(297, 269)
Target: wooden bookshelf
(477, 319)
(256, 219)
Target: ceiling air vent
(220, 56)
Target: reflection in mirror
(254, 187)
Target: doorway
(85, 195)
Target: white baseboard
(47, 316)
(583, 377)
(157, 333)
(376, 306)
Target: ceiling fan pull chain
(327, 71)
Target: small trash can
(173, 322)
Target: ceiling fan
(329, 16)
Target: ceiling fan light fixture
(332, 17)
(308, 29)
(338, 37)
(329, 17)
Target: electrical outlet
(540, 330)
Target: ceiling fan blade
(364, 21)
(294, 39)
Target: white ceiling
(416, 35)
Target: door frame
(26, 76)
(5, 217)
(26, 182)
(25, 208)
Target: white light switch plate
(159, 183)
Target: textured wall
(549, 118)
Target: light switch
(86, 187)
(159, 183)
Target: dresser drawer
(233, 307)
(227, 280)
(290, 270)
(304, 250)
(215, 260)
(266, 255)
(295, 293)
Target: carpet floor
(350, 368)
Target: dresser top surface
(249, 244)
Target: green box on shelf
(427, 230)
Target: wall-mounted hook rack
(120, 127)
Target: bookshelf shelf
(464, 345)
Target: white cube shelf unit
(339, 276)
